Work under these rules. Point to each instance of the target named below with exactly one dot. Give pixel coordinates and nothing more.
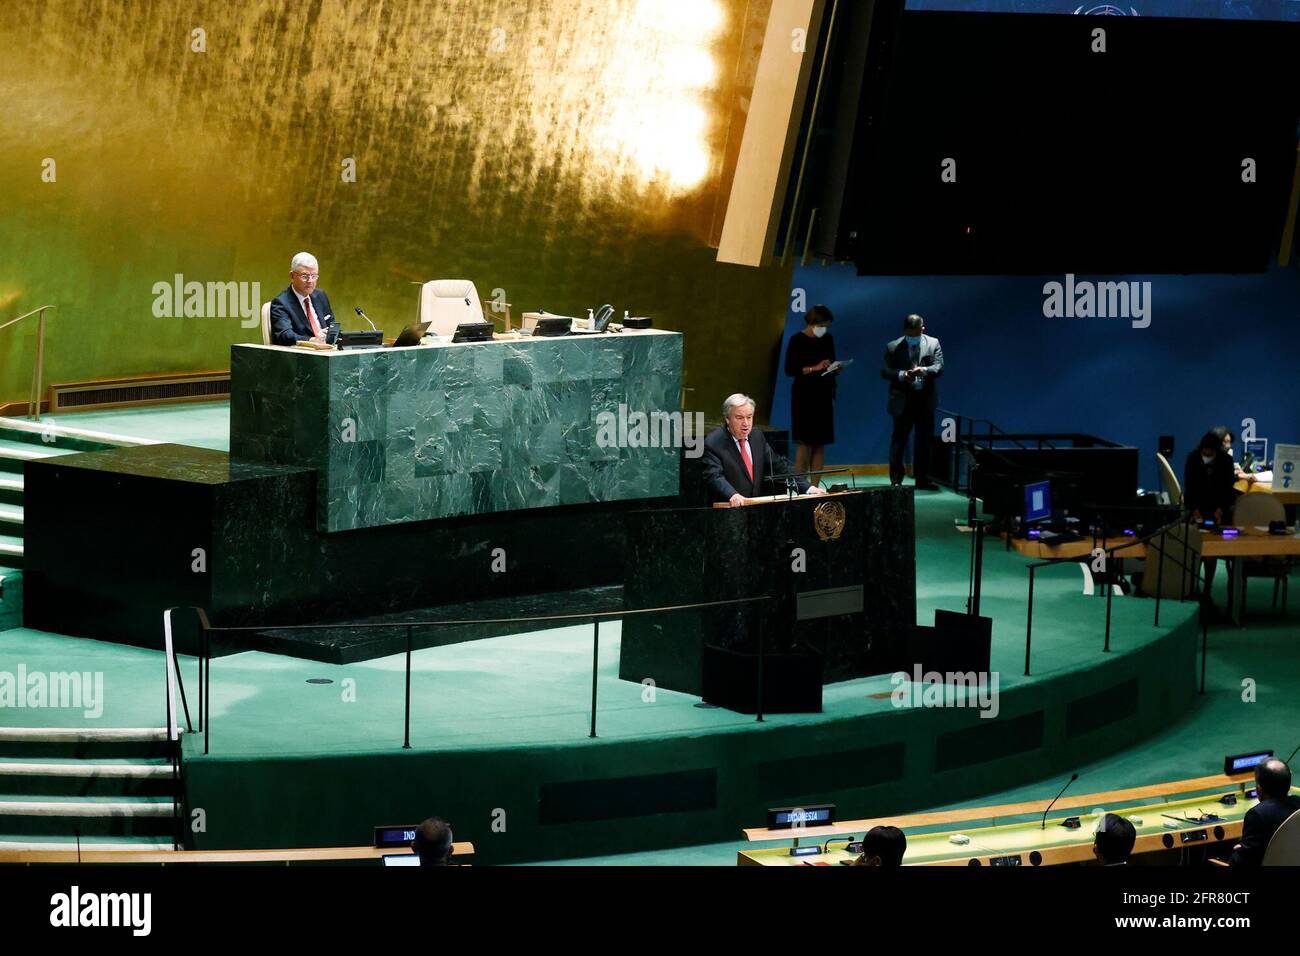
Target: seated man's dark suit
(1262, 821)
(289, 322)
(724, 469)
(912, 408)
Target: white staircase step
(84, 768)
(39, 846)
(25, 452)
(87, 808)
(48, 427)
(64, 735)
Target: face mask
(819, 330)
(1207, 458)
(913, 340)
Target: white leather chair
(266, 323)
(1258, 509)
(446, 303)
(1284, 847)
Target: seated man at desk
(302, 311)
(433, 843)
(1114, 840)
(1276, 804)
(737, 461)
(882, 846)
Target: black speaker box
(792, 683)
(958, 643)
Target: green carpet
(204, 424)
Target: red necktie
(311, 316)
(744, 453)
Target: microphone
(366, 317)
(1293, 753)
(1073, 777)
(77, 833)
(771, 475)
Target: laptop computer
(411, 335)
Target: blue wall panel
(1219, 348)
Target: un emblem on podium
(828, 520)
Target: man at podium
(738, 464)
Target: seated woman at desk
(1226, 436)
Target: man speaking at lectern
(302, 311)
(738, 464)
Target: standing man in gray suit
(913, 364)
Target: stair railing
(34, 398)
(174, 683)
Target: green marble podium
(434, 431)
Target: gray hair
(303, 259)
(735, 401)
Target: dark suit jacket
(289, 322)
(1262, 821)
(1205, 489)
(898, 359)
(724, 470)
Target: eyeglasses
(308, 276)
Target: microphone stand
(1073, 777)
(790, 477)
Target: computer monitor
(1038, 501)
(1254, 452)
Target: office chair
(266, 323)
(1284, 848)
(446, 303)
(1258, 509)
(1172, 487)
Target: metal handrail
(175, 682)
(34, 398)
(969, 441)
(595, 617)
(1185, 520)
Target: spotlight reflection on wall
(634, 94)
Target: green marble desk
(434, 431)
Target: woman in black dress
(812, 395)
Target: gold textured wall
(568, 152)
